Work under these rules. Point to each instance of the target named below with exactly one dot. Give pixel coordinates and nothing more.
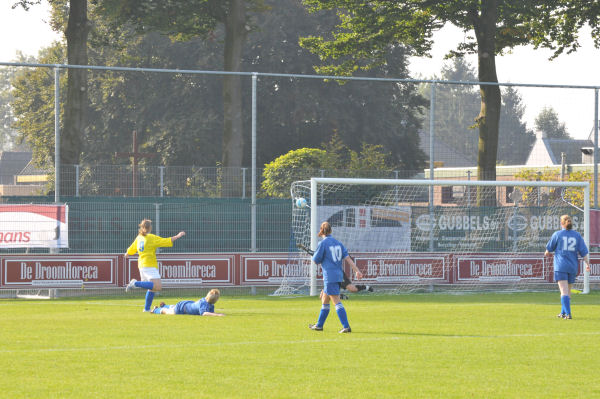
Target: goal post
(394, 227)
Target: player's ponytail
(325, 229)
(566, 222)
(145, 227)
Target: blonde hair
(145, 227)
(325, 229)
(213, 296)
(565, 220)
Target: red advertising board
(189, 269)
(180, 270)
(594, 269)
(497, 268)
(402, 268)
(59, 270)
(270, 269)
(376, 268)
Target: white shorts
(149, 273)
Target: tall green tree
(547, 121)
(177, 117)
(9, 136)
(515, 139)
(300, 112)
(70, 17)
(455, 106)
(33, 105)
(366, 31)
(183, 20)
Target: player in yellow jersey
(145, 245)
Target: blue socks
(144, 284)
(341, 312)
(149, 298)
(323, 315)
(565, 301)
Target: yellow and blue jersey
(146, 246)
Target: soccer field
(445, 346)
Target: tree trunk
(233, 139)
(77, 94)
(488, 120)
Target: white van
(369, 228)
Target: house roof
(571, 148)
(31, 169)
(11, 163)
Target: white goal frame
(315, 223)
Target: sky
(28, 31)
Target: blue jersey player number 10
(331, 255)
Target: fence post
(596, 148)
(156, 222)
(57, 134)
(77, 180)
(322, 171)
(431, 161)
(162, 186)
(396, 187)
(253, 205)
(244, 183)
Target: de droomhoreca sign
(59, 271)
(498, 267)
(275, 268)
(190, 269)
(34, 226)
(249, 269)
(401, 268)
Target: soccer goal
(434, 235)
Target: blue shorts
(180, 307)
(332, 288)
(558, 276)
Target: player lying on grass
(202, 307)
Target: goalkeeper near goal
(330, 254)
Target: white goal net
(428, 235)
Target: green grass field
(429, 346)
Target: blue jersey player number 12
(567, 245)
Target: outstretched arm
(178, 236)
(212, 314)
(357, 272)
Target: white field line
(294, 342)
